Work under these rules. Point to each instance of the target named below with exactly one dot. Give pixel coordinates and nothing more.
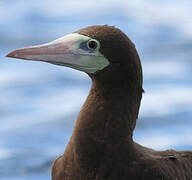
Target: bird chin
(82, 68)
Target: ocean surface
(39, 102)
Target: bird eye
(92, 44)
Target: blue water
(39, 102)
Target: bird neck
(105, 124)
(109, 113)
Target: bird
(101, 146)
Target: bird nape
(101, 146)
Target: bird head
(102, 51)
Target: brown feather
(101, 146)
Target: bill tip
(11, 54)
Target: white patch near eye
(87, 62)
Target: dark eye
(92, 44)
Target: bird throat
(107, 117)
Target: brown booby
(101, 146)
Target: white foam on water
(62, 103)
(162, 13)
(168, 69)
(158, 101)
(51, 106)
(148, 12)
(160, 140)
(4, 154)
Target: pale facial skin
(73, 50)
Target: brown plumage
(101, 146)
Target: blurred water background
(39, 102)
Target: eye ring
(93, 44)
